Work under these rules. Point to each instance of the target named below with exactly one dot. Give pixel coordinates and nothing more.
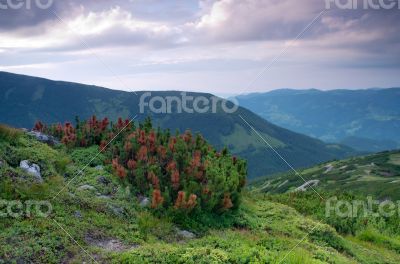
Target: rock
(104, 197)
(185, 234)
(283, 183)
(118, 211)
(78, 214)
(108, 244)
(328, 168)
(99, 167)
(103, 180)
(44, 138)
(86, 187)
(144, 202)
(72, 195)
(1, 163)
(309, 184)
(32, 169)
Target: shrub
(181, 172)
(88, 156)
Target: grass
(9, 134)
(376, 237)
(262, 230)
(395, 159)
(243, 139)
(376, 175)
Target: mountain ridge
(25, 100)
(332, 116)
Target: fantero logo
(186, 104)
(18, 209)
(362, 4)
(25, 4)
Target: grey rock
(44, 138)
(1, 163)
(108, 244)
(104, 197)
(86, 187)
(118, 211)
(309, 184)
(144, 202)
(32, 169)
(78, 214)
(328, 168)
(103, 180)
(185, 234)
(99, 167)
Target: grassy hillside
(106, 223)
(24, 100)
(377, 175)
(358, 118)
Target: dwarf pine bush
(181, 172)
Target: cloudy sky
(218, 46)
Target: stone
(118, 211)
(144, 202)
(185, 234)
(78, 214)
(99, 167)
(50, 140)
(104, 197)
(103, 180)
(86, 187)
(328, 168)
(108, 244)
(309, 184)
(32, 169)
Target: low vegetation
(377, 175)
(104, 213)
(181, 172)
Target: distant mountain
(367, 120)
(377, 175)
(24, 100)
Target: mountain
(99, 219)
(24, 100)
(363, 119)
(377, 175)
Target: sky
(224, 47)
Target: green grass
(395, 159)
(262, 230)
(240, 139)
(377, 175)
(9, 134)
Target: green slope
(24, 100)
(376, 175)
(367, 120)
(84, 226)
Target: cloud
(245, 20)
(140, 37)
